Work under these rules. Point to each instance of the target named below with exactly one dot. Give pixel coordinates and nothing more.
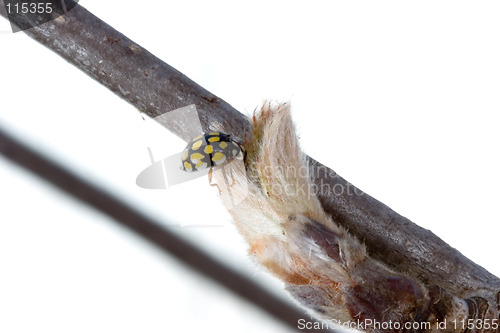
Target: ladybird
(209, 150)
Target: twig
(155, 87)
(147, 228)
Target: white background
(400, 98)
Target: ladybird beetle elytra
(209, 150)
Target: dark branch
(155, 87)
(147, 228)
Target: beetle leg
(210, 180)
(232, 177)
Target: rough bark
(154, 87)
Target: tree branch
(154, 87)
(149, 229)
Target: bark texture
(154, 87)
